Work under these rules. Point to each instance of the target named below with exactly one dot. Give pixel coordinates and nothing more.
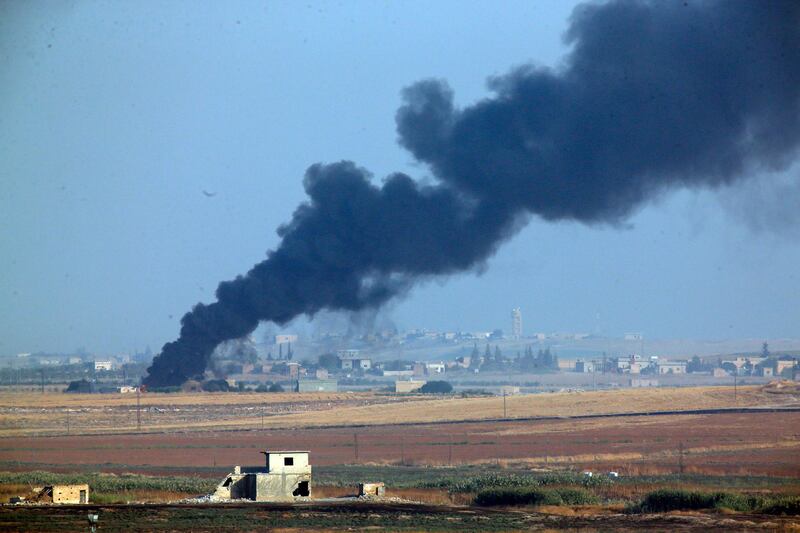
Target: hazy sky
(116, 117)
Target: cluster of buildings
(633, 364)
(764, 365)
(740, 365)
(104, 363)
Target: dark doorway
(302, 489)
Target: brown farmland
(729, 443)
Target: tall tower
(516, 323)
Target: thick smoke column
(653, 96)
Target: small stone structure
(372, 489)
(286, 477)
(408, 386)
(61, 494)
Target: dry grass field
(537, 405)
(53, 414)
(59, 414)
(50, 400)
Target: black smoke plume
(653, 96)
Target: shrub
(788, 505)
(275, 387)
(677, 499)
(737, 502)
(496, 480)
(663, 500)
(80, 386)
(436, 387)
(216, 385)
(576, 496)
(518, 496)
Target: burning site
(644, 102)
(538, 272)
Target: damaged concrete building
(61, 494)
(285, 477)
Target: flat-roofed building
(355, 362)
(285, 477)
(68, 494)
(672, 367)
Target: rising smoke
(653, 96)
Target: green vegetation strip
(535, 496)
(664, 500)
(111, 483)
(491, 487)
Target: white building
(103, 365)
(672, 367)
(435, 368)
(350, 362)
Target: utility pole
(67, 421)
(735, 385)
(138, 409)
(41, 371)
(402, 451)
(680, 457)
(504, 404)
(355, 444)
(450, 451)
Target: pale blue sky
(114, 117)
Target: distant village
(409, 362)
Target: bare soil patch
(730, 443)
